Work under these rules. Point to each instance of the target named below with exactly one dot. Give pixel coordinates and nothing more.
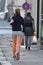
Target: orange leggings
(16, 44)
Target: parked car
(3, 15)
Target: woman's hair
(17, 11)
(28, 14)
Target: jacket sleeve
(33, 25)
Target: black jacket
(18, 21)
(28, 26)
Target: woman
(16, 23)
(29, 29)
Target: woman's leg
(14, 46)
(26, 42)
(30, 40)
(18, 46)
(18, 43)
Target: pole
(25, 10)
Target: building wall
(7, 2)
(2, 5)
(34, 12)
(18, 4)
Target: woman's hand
(35, 33)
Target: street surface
(32, 57)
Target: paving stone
(2, 58)
(5, 63)
(1, 54)
(3, 46)
(0, 49)
(6, 50)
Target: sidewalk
(32, 57)
(3, 60)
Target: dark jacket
(28, 27)
(18, 21)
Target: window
(42, 19)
